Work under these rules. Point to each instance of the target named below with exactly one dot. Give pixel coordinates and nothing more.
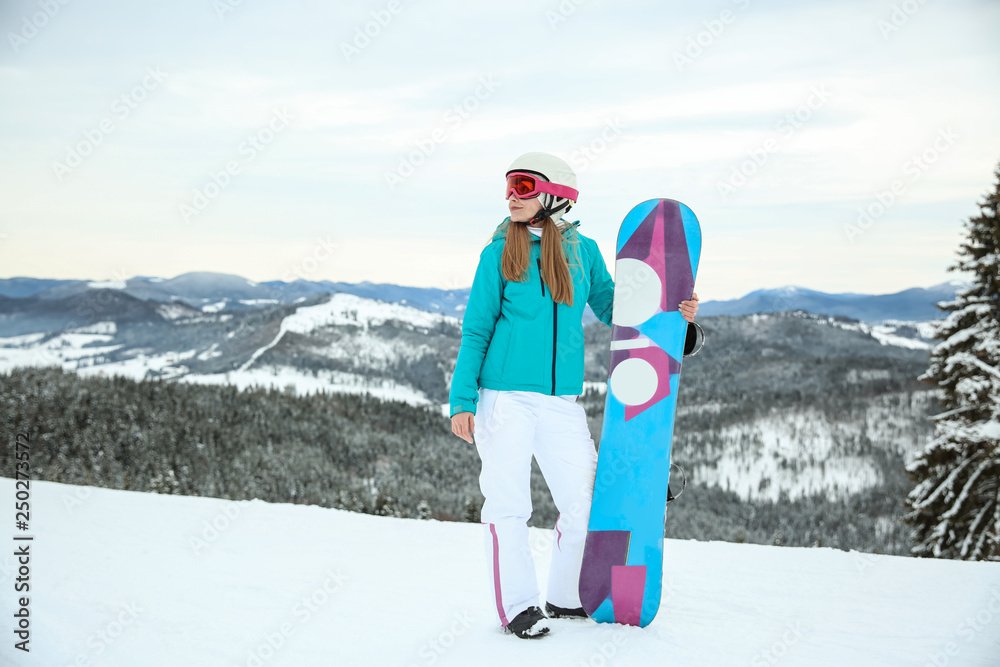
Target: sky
(832, 145)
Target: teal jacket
(514, 336)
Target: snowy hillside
(126, 579)
(804, 451)
(344, 343)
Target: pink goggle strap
(563, 191)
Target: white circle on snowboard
(634, 381)
(637, 292)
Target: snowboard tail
(658, 248)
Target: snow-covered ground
(885, 332)
(134, 579)
(343, 308)
(106, 284)
(79, 350)
(305, 383)
(69, 349)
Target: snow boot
(561, 612)
(529, 624)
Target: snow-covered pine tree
(955, 505)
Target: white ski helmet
(553, 170)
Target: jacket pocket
(493, 363)
(523, 300)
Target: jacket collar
(501, 229)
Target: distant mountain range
(214, 292)
(912, 305)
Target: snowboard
(659, 244)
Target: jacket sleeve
(480, 319)
(602, 287)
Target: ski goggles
(528, 186)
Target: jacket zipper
(555, 320)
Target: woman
(517, 377)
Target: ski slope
(146, 580)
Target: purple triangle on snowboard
(604, 550)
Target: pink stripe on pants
(496, 574)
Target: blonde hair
(555, 265)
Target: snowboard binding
(670, 496)
(695, 339)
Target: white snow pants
(510, 427)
